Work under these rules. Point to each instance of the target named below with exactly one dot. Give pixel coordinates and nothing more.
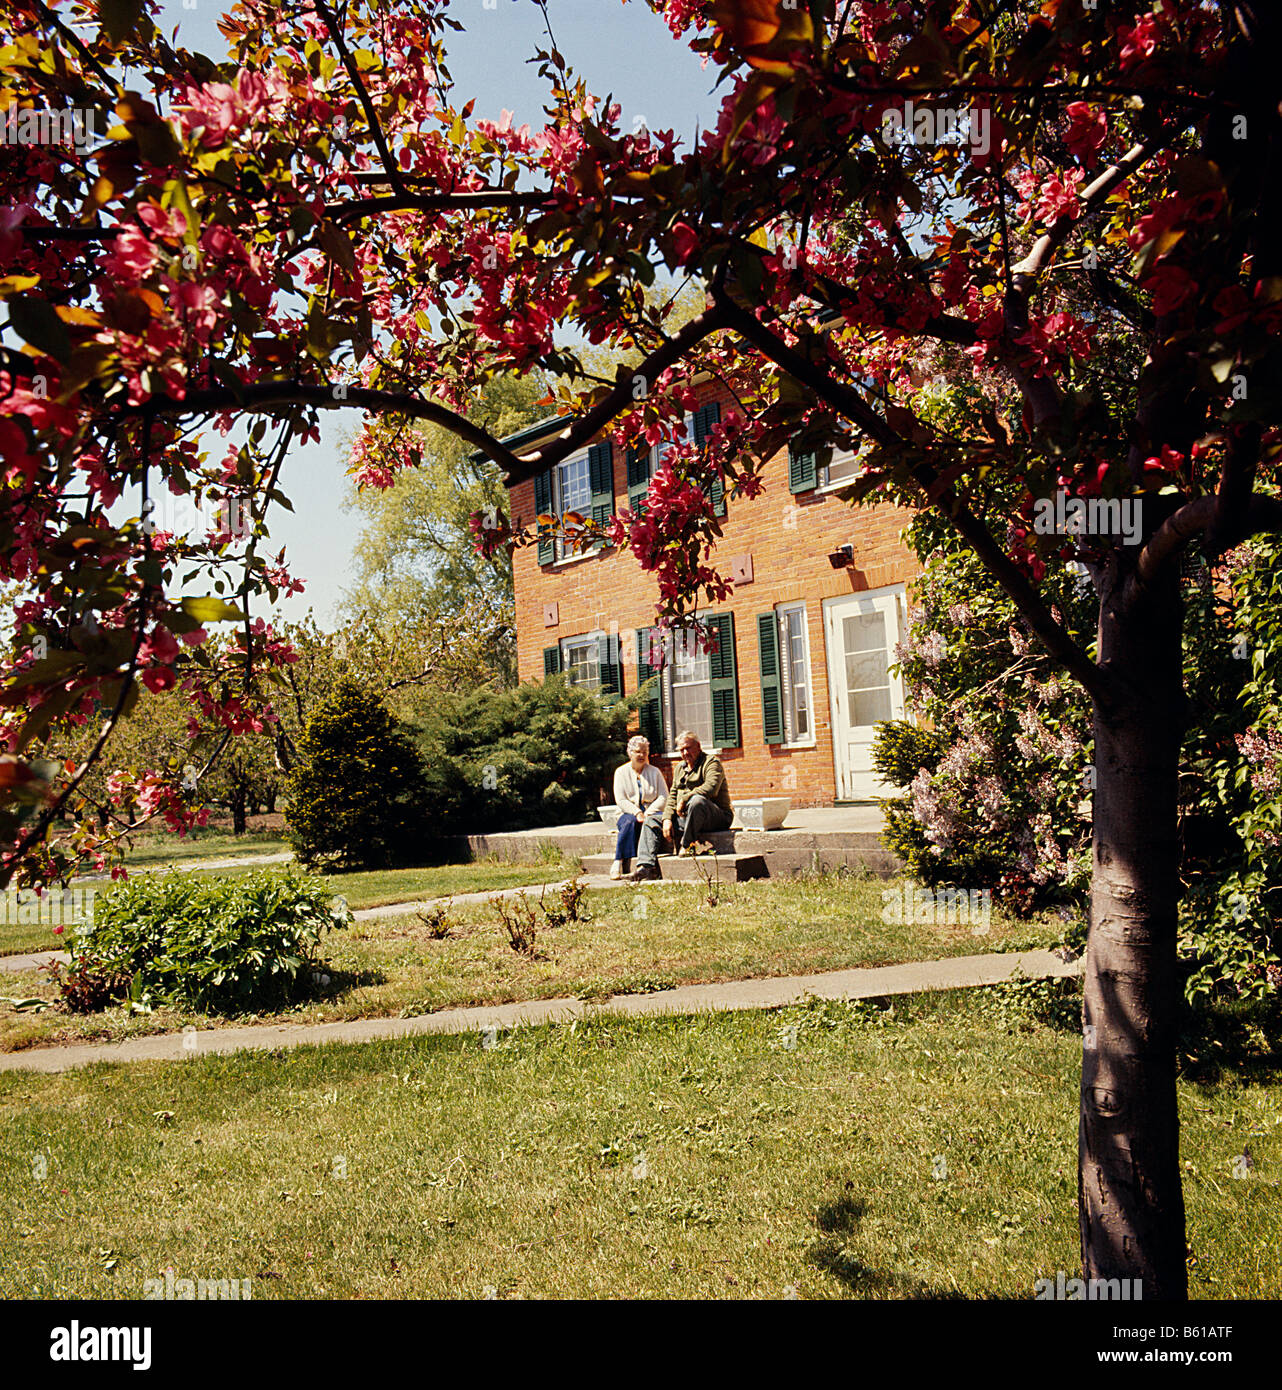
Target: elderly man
(697, 805)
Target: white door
(861, 632)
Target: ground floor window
(581, 662)
(689, 681)
(794, 662)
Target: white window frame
(657, 450)
(592, 640)
(787, 685)
(565, 551)
(668, 695)
(839, 456)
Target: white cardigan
(652, 788)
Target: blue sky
(621, 49)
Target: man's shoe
(616, 869)
(643, 873)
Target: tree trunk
(238, 813)
(1130, 1201)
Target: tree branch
(362, 94)
(851, 404)
(1260, 514)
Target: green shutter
(601, 481)
(543, 506)
(638, 476)
(650, 708)
(803, 470)
(771, 684)
(725, 683)
(704, 419)
(608, 663)
(551, 661)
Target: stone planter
(762, 813)
(609, 816)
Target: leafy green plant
(437, 920)
(355, 798)
(517, 759)
(221, 945)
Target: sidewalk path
(277, 858)
(957, 973)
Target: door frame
(898, 594)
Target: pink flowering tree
(1040, 188)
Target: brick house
(790, 698)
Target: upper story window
(806, 473)
(843, 467)
(572, 492)
(644, 463)
(583, 485)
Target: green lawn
(928, 1153)
(374, 888)
(196, 845)
(637, 940)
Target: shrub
(997, 792)
(517, 759)
(222, 945)
(356, 797)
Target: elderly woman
(640, 793)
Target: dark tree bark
(1131, 1204)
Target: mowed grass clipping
(825, 1151)
(637, 940)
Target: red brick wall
(789, 539)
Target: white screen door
(861, 632)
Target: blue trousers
(701, 817)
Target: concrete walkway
(957, 973)
(279, 857)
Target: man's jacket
(705, 778)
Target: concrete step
(788, 860)
(728, 868)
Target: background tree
(355, 792)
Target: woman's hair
(638, 744)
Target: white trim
(582, 639)
(796, 605)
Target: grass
(636, 941)
(926, 1153)
(375, 888)
(169, 849)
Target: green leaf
(211, 610)
(119, 18)
(36, 322)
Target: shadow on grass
(1242, 1040)
(832, 1254)
(340, 982)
